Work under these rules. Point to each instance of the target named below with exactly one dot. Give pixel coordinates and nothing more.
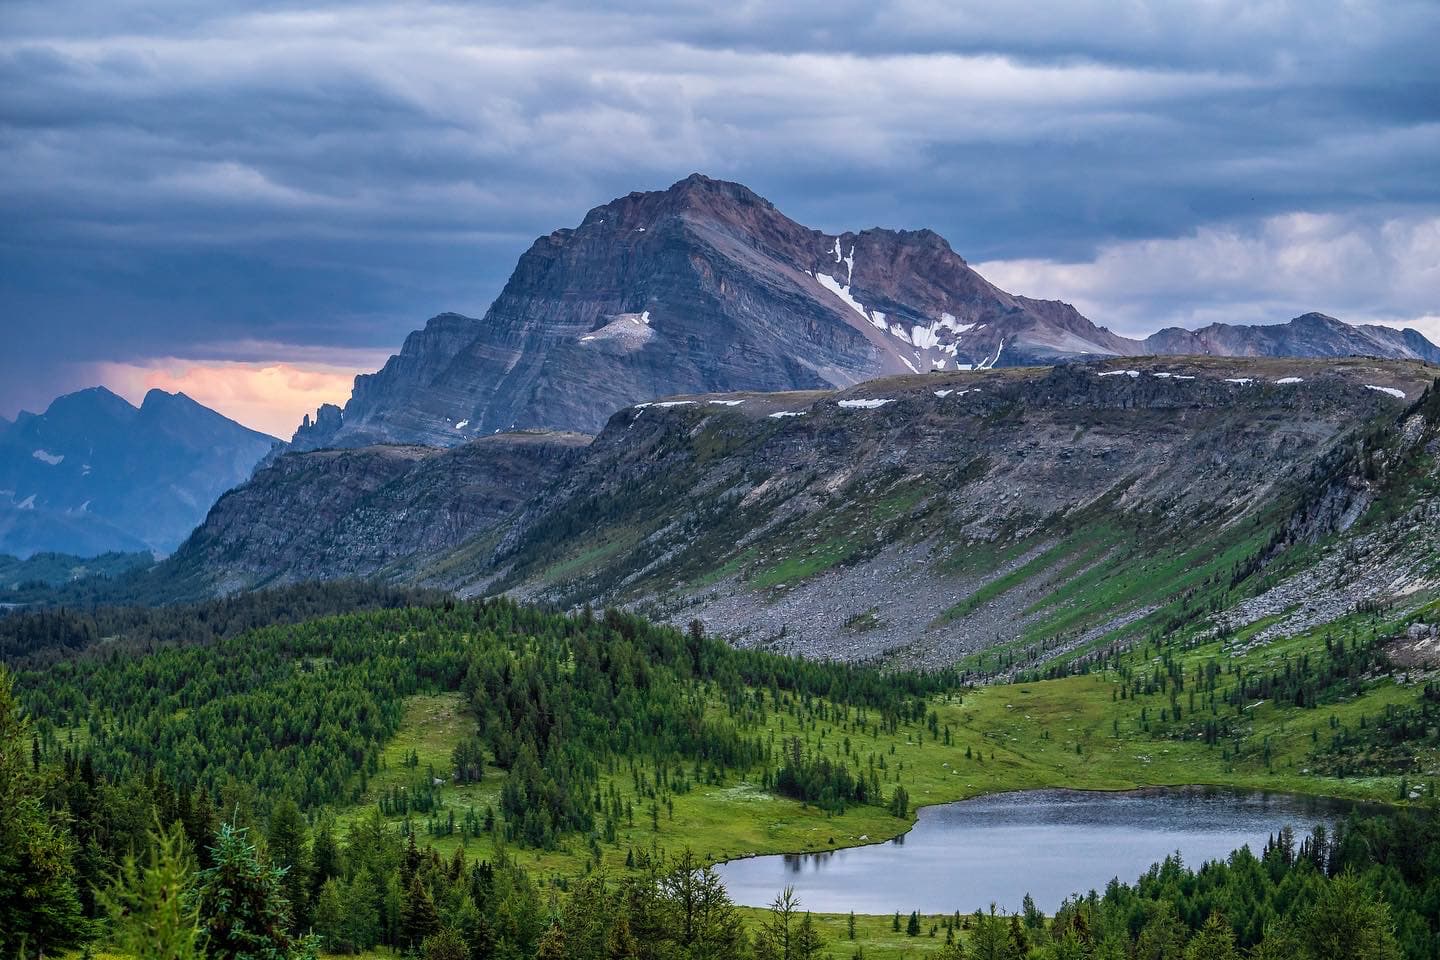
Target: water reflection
(1048, 843)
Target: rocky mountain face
(329, 514)
(1031, 510)
(707, 287)
(94, 473)
(699, 288)
(1311, 335)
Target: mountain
(94, 473)
(707, 287)
(925, 516)
(1311, 335)
(702, 287)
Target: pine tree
(325, 856)
(620, 944)
(1163, 936)
(1215, 941)
(990, 937)
(288, 850)
(39, 903)
(418, 918)
(362, 911)
(242, 903)
(808, 943)
(775, 940)
(329, 919)
(912, 926)
(445, 945)
(151, 909)
(1347, 920)
(552, 944)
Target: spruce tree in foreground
(243, 908)
(1347, 920)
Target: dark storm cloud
(184, 177)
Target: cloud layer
(329, 174)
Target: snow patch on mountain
(842, 291)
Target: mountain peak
(707, 287)
(1316, 319)
(156, 397)
(92, 402)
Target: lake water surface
(1048, 843)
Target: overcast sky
(252, 206)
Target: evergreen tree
(1163, 936)
(912, 925)
(808, 942)
(776, 938)
(151, 909)
(243, 909)
(990, 937)
(39, 904)
(325, 858)
(329, 919)
(1215, 941)
(552, 944)
(1346, 920)
(445, 945)
(477, 930)
(361, 900)
(620, 944)
(288, 850)
(418, 918)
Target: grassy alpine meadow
(1074, 732)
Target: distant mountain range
(708, 287)
(94, 473)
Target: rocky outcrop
(332, 513)
(707, 287)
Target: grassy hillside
(1074, 731)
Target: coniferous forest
(181, 789)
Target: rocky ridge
(922, 516)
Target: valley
(1326, 711)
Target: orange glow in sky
(269, 396)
